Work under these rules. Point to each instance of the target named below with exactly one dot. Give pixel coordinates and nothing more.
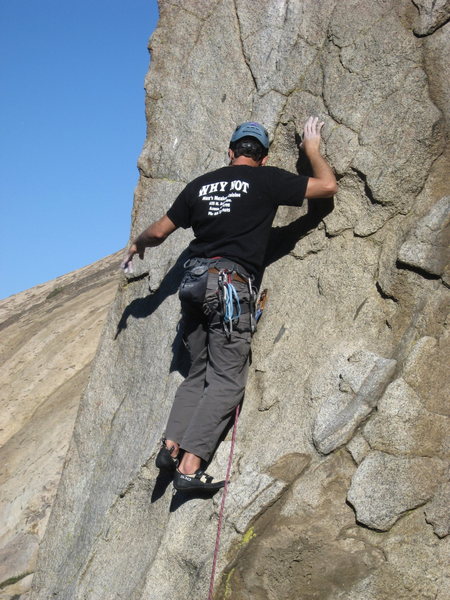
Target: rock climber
(231, 211)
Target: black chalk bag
(195, 279)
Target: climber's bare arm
(323, 182)
(152, 236)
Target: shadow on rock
(179, 498)
(180, 358)
(283, 239)
(140, 308)
(162, 482)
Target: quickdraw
(229, 301)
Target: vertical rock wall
(340, 482)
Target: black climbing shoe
(164, 460)
(198, 481)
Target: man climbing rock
(231, 211)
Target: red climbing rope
(222, 506)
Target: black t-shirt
(231, 211)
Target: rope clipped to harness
(229, 298)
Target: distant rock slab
(338, 419)
(385, 486)
(49, 337)
(18, 558)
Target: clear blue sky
(72, 125)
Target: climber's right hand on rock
(311, 135)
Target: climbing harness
(222, 506)
(232, 307)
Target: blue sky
(72, 125)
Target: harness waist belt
(234, 276)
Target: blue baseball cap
(251, 129)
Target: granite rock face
(351, 345)
(432, 14)
(386, 486)
(437, 513)
(340, 415)
(427, 246)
